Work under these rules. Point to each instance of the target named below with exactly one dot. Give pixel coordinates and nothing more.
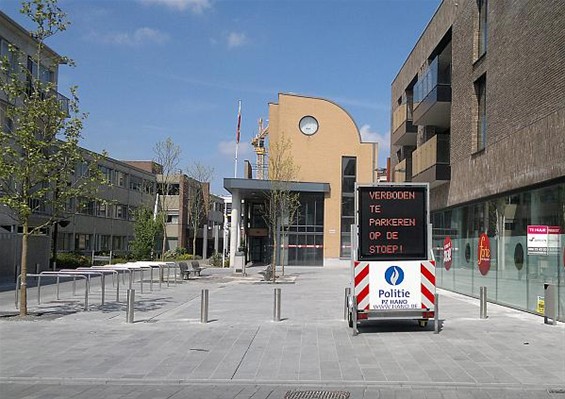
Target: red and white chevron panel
(362, 285)
(428, 271)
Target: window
(482, 26)
(6, 123)
(45, 75)
(481, 90)
(106, 172)
(6, 53)
(120, 179)
(135, 183)
(348, 178)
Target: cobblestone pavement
(61, 351)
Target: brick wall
(525, 74)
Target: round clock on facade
(308, 125)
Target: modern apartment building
(478, 112)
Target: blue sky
(152, 69)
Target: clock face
(308, 125)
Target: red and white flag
(238, 122)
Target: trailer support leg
(436, 314)
(354, 316)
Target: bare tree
(281, 204)
(199, 197)
(167, 155)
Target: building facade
(330, 157)
(478, 112)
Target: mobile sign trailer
(392, 274)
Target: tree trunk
(194, 243)
(164, 241)
(23, 271)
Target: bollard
(354, 315)
(277, 305)
(436, 314)
(204, 307)
(345, 310)
(129, 307)
(58, 296)
(483, 301)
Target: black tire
(350, 319)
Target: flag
(238, 123)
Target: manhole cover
(316, 395)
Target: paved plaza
(62, 351)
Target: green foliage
(146, 231)
(71, 261)
(175, 253)
(215, 260)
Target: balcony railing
(432, 78)
(401, 115)
(403, 171)
(433, 152)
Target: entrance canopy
(256, 189)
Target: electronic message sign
(393, 222)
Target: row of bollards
(204, 306)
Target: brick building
(478, 111)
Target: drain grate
(316, 395)
(556, 391)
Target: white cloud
(138, 37)
(374, 137)
(227, 148)
(236, 39)
(195, 6)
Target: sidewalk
(242, 353)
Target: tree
(281, 204)
(42, 167)
(198, 198)
(167, 155)
(146, 230)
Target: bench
(184, 272)
(267, 273)
(196, 269)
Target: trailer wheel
(422, 323)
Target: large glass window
(519, 262)
(348, 178)
(304, 244)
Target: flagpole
(237, 137)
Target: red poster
(484, 254)
(447, 253)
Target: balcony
(430, 161)
(432, 96)
(403, 131)
(403, 171)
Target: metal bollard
(277, 305)
(130, 303)
(436, 314)
(354, 315)
(345, 310)
(204, 307)
(483, 301)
